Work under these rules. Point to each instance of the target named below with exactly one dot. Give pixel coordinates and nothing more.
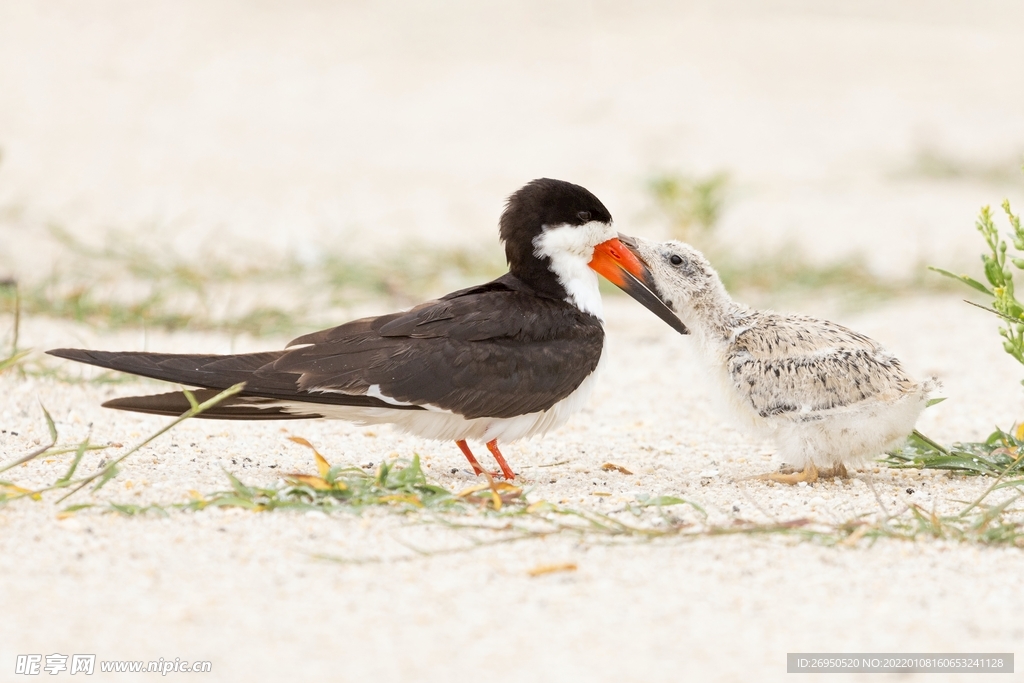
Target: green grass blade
(39, 451)
(79, 453)
(105, 476)
(966, 279)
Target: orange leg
(492, 446)
(464, 447)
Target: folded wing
(494, 350)
(787, 373)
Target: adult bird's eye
(675, 259)
(583, 216)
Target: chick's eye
(583, 216)
(675, 259)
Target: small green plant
(692, 204)
(1000, 278)
(393, 484)
(1000, 454)
(9, 288)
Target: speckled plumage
(827, 396)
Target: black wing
(496, 350)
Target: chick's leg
(809, 474)
(838, 471)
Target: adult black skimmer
(508, 359)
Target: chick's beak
(622, 268)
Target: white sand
(299, 127)
(245, 591)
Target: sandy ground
(246, 591)
(360, 124)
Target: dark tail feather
(197, 370)
(235, 408)
(269, 394)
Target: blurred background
(370, 146)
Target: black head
(540, 203)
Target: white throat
(570, 249)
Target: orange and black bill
(622, 268)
